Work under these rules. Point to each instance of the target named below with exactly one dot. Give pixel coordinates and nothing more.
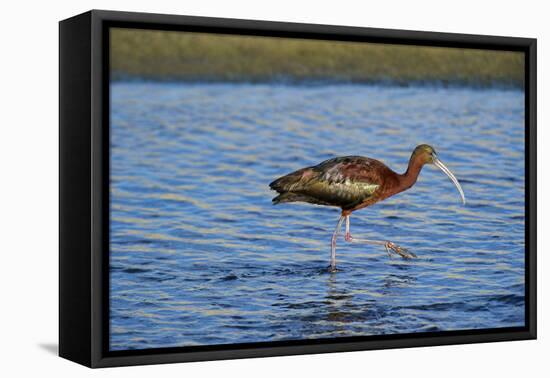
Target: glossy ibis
(352, 183)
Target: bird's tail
(288, 182)
(278, 199)
(288, 185)
(289, 197)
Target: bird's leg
(332, 266)
(390, 247)
(403, 252)
(348, 233)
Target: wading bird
(352, 183)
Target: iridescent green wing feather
(343, 181)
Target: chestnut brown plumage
(352, 183)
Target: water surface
(199, 255)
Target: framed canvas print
(233, 188)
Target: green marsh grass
(162, 55)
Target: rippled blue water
(199, 255)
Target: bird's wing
(352, 169)
(344, 181)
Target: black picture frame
(84, 187)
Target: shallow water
(199, 255)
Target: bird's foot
(332, 269)
(403, 252)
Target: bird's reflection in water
(339, 301)
(346, 311)
(392, 281)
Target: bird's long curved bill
(446, 170)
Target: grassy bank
(160, 55)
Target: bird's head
(425, 154)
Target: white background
(29, 186)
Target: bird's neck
(408, 179)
